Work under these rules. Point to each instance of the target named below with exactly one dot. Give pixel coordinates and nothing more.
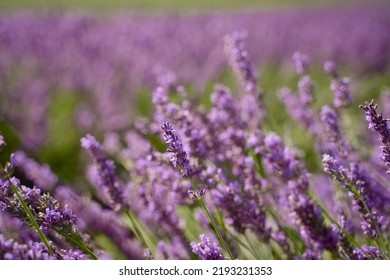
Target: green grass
(166, 6)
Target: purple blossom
(299, 110)
(11, 250)
(179, 158)
(207, 249)
(51, 217)
(311, 255)
(341, 89)
(344, 246)
(240, 62)
(364, 196)
(158, 192)
(15, 229)
(306, 90)
(377, 123)
(331, 69)
(105, 176)
(91, 216)
(301, 62)
(339, 86)
(243, 208)
(330, 120)
(334, 142)
(41, 175)
(174, 250)
(110, 75)
(368, 253)
(304, 212)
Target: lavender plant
(238, 176)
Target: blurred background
(169, 6)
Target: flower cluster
(207, 249)
(227, 178)
(377, 123)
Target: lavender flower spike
(179, 157)
(241, 64)
(301, 62)
(206, 249)
(106, 172)
(379, 124)
(368, 253)
(240, 61)
(41, 175)
(339, 86)
(331, 69)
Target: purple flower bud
(301, 62)
(240, 62)
(377, 123)
(207, 249)
(306, 90)
(368, 253)
(41, 175)
(179, 157)
(342, 94)
(330, 69)
(106, 178)
(304, 212)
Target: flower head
(179, 158)
(207, 249)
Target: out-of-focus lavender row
(109, 59)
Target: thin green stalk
(219, 236)
(137, 229)
(257, 256)
(32, 220)
(330, 218)
(81, 245)
(360, 198)
(253, 252)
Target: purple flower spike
(330, 120)
(106, 178)
(341, 89)
(301, 62)
(339, 86)
(306, 90)
(179, 157)
(305, 213)
(40, 175)
(379, 124)
(330, 69)
(368, 253)
(363, 192)
(206, 249)
(240, 60)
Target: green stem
(137, 229)
(81, 245)
(256, 255)
(32, 220)
(332, 220)
(253, 252)
(219, 235)
(360, 198)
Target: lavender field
(240, 135)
